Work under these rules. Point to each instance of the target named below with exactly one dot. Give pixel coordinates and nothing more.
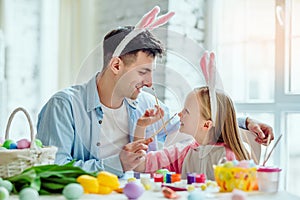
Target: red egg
(23, 144)
(133, 190)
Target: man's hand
(133, 154)
(263, 131)
(150, 116)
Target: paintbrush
(268, 143)
(162, 119)
(277, 141)
(164, 125)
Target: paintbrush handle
(277, 141)
(266, 151)
(156, 99)
(164, 125)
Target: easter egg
(7, 143)
(13, 146)
(7, 184)
(23, 144)
(196, 195)
(235, 162)
(4, 195)
(28, 194)
(133, 190)
(73, 191)
(228, 164)
(38, 143)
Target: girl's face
(191, 122)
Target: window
(257, 43)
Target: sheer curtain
(77, 22)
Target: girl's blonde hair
(226, 127)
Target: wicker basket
(14, 161)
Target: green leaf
(48, 179)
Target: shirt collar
(93, 99)
(132, 103)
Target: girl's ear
(115, 64)
(208, 124)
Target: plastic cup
(268, 179)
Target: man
(94, 123)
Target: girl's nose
(180, 114)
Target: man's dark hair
(145, 42)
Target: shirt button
(100, 121)
(98, 144)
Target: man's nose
(148, 81)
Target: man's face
(137, 75)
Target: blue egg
(73, 191)
(235, 162)
(28, 194)
(13, 146)
(196, 195)
(252, 163)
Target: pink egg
(23, 144)
(133, 190)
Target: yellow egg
(203, 187)
(147, 186)
(131, 179)
(190, 188)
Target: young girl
(214, 137)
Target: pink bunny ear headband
(212, 79)
(149, 21)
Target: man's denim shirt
(71, 120)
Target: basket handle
(11, 118)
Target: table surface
(149, 195)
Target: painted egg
(38, 143)
(7, 143)
(7, 184)
(133, 190)
(196, 195)
(13, 146)
(23, 144)
(28, 194)
(73, 191)
(4, 195)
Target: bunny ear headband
(212, 79)
(149, 21)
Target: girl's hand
(150, 116)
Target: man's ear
(114, 64)
(208, 124)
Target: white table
(149, 195)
